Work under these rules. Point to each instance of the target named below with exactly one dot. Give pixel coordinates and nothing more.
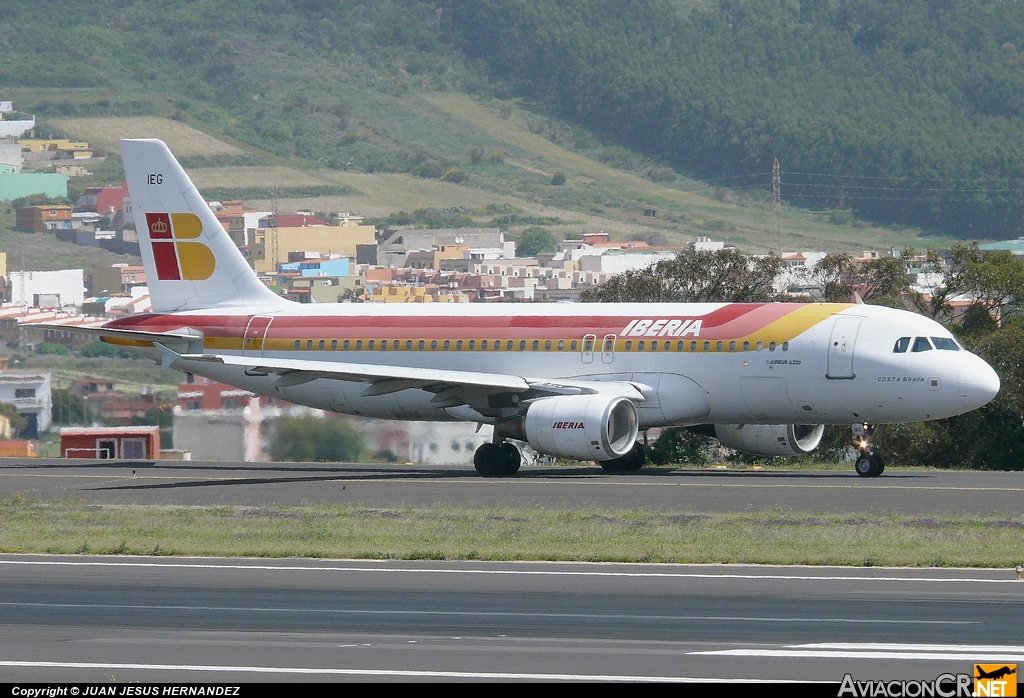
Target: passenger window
(945, 344)
(921, 344)
(901, 345)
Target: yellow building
(410, 294)
(39, 145)
(323, 239)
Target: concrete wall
(10, 157)
(15, 129)
(66, 283)
(211, 434)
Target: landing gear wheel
(629, 463)
(513, 459)
(497, 460)
(869, 465)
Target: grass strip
(510, 533)
(249, 193)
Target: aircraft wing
(452, 387)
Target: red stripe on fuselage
(732, 320)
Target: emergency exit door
(255, 333)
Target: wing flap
(296, 371)
(384, 379)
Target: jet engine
(584, 427)
(771, 439)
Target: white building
(427, 443)
(11, 160)
(29, 392)
(48, 289)
(616, 262)
(13, 128)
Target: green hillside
(370, 107)
(910, 111)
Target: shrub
(454, 175)
(558, 179)
(277, 130)
(53, 348)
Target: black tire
(868, 465)
(629, 463)
(488, 460)
(497, 460)
(512, 459)
(881, 465)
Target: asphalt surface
(129, 619)
(248, 484)
(81, 618)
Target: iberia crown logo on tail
(177, 260)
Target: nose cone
(979, 383)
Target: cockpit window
(945, 343)
(901, 345)
(921, 344)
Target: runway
(152, 619)
(285, 484)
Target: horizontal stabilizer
(188, 340)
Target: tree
(310, 439)
(535, 240)
(68, 409)
(695, 277)
(993, 278)
(18, 423)
(881, 281)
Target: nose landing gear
(497, 459)
(868, 463)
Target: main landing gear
(497, 459)
(868, 463)
(629, 463)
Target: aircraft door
(255, 334)
(588, 348)
(608, 348)
(841, 346)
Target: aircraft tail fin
(191, 262)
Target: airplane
(995, 673)
(575, 381)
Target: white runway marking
(501, 676)
(852, 650)
(513, 572)
(485, 614)
(924, 647)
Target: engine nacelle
(771, 439)
(584, 427)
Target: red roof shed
(127, 443)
